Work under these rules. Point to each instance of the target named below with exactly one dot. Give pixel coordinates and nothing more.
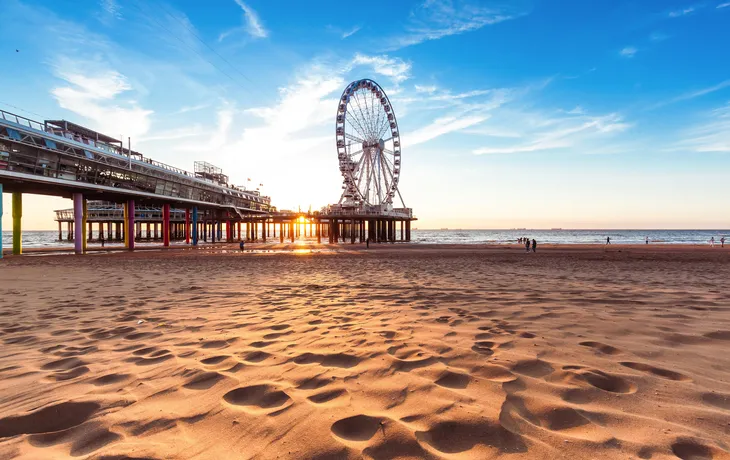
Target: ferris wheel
(368, 145)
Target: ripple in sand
(602, 348)
(327, 396)
(719, 400)
(263, 396)
(204, 381)
(93, 441)
(63, 364)
(110, 379)
(659, 372)
(52, 418)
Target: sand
(396, 352)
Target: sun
(302, 219)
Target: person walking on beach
(647, 240)
(722, 242)
(102, 241)
(534, 245)
(240, 245)
(608, 240)
(527, 245)
(712, 241)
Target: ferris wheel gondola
(368, 145)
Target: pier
(132, 198)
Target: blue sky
(582, 114)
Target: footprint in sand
(264, 398)
(342, 360)
(110, 379)
(533, 368)
(690, 449)
(659, 372)
(358, 428)
(453, 380)
(49, 419)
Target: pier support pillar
(263, 231)
(408, 230)
(281, 232)
(166, 225)
(79, 223)
(195, 226)
(130, 224)
(17, 228)
(1, 223)
(84, 223)
(318, 229)
(187, 226)
(291, 231)
(60, 231)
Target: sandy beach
(400, 351)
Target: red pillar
(166, 225)
(187, 226)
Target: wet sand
(400, 351)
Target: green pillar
(17, 229)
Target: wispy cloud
(441, 126)
(628, 52)
(111, 9)
(658, 37)
(91, 90)
(723, 5)
(547, 133)
(252, 24)
(351, 32)
(395, 68)
(693, 94)
(682, 12)
(435, 19)
(712, 134)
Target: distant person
(534, 245)
(712, 241)
(608, 240)
(102, 241)
(367, 243)
(527, 245)
(240, 245)
(647, 240)
(722, 242)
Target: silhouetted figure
(647, 240)
(527, 245)
(722, 242)
(102, 241)
(240, 245)
(608, 240)
(367, 243)
(712, 241)
(534, 245)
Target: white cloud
(425, 89)
(435, 19)
(681, 12)
(395, 68)
(628, 52)
(92, 92)
(578, 132)
(723, 5)
(252, 24)
(658, 37)
(350, 32)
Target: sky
(520, 113)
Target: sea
(48, 239)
